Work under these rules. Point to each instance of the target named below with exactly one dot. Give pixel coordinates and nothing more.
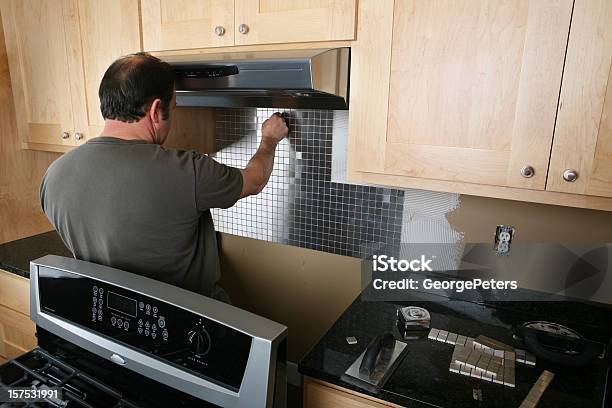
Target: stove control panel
(128, 315)
(177, 336)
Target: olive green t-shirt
(138, 207)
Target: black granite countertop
(423, 377)
(15, 256)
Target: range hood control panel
(212, 71)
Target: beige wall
(304, 289)
(477, 218)
(20, 170)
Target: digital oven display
(121, 304)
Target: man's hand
(257, 172)
(274, 128)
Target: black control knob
(199, 341)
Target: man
(124, 201)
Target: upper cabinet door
(183, 24)
(582, 148)
(473, 87)
(109, 29)
(281, 21)
(40, 64)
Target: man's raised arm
(256, 174)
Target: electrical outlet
(503, 239)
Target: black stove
(86, 380)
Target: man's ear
(155, 111)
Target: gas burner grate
(39, 369)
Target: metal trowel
(374, 366)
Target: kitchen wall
(20, 170)
(291, 253)
(476, 217)
(302, 288)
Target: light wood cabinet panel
(58, 51)
(282, 21)
(38, 53)
(15, 292)
(183, 24)
(473, 90)
(17, 331)
(108, 29)
(323, 395)
(583, 135)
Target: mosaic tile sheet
(301, 205)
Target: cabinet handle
(65, 135)
(243, 28)
(570, 175)
(219, 30)
(527, 171)
(78, 136)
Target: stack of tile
(446, 337)
(482, 357)
(475, 361)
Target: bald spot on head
(131, 83)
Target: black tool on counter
(374, 366)
(379, 348)
(559, 344)
(413, 322)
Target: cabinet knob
(570, 175)
(65, 135)
(527, 171)
(243, 28)
(78, 136)
(219, 30)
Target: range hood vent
(301, 79)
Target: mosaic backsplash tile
(302, 205)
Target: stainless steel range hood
(306, 79)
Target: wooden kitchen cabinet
(318, 394)
(472, 89)
(17, 331)
(42, 70)
(184, 24)
(282, 21)
(109, 29)
(583, 134)
(58, 51)
(462, 96)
